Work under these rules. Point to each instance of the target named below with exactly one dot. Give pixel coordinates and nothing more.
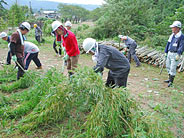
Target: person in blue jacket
(131, 45)
(5, 37)
(173, 51)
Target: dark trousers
(8, 59)
(117, 81)
(38, 38)
(20, 72)
(55, 49)
(31, 56)
(131, 53)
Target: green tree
(73, 13)
(3, 12)
(124, 17)
(96, 14)
(2, 9)
(17, 14)
(140, 19)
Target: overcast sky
(94, 2)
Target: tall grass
(8, 73)
(103, 112)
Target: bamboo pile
(155, 58)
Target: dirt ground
(144, 83)
(137, 79)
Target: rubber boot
(171, 81)
(167, 81)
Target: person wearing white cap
(17, 47)
(5, 37)
(173, 51)
(68, 25)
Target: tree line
(17, 14)
(144, 20)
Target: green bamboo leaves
(85, 107)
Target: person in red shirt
(70, 45)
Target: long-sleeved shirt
(70, 44)
(38, 31)
(112, 59)
(8, 40)
(30, 47)
(129, 42)
(175, 44)
(16, 47)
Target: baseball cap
(176, 24)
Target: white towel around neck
(21, 37)
(177, 36)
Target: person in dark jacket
(173, 51)
(112, 59)
(5, 37)
(57, 43)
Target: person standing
(17, 47)
(112, 59)
(173, 51)
(5, 37)
(57, 42)
(31, 53)
(131, 45)
(70, 46)
(38, 33)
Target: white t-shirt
(30, 47)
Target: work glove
(14, 58)
(63, 48)
(66, 57)
(94, 58)
(99, 74)
(124, 52)
(166, 55)
(177, 57)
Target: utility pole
(30, 8)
